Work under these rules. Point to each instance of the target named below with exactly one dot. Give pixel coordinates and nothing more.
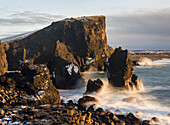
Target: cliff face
(78, 40)
(83, 37)
(3, 61)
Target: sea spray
(148, 63)
(111, 98)
(145, 61)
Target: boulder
(120, 71)
(3, 60)
(154, 119)
(100, 111)
(30, 86)
(130, 119)
(135, 63)
(94, 86)
(86, 99)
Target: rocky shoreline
(33, 68)
(65, 114)
(153, 55)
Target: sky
(132, 24)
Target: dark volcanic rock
(30, 86)
(130, 119)
(135, 63)
(66, 74)
(120, 70)
(3, 60)
(86, 99)
(81, 41)
(63, 115)
(94, 86)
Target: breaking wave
(145, 104)
(148, 63)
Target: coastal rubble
(65, 114)
(30, 86)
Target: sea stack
(78, 41)
(120, 71)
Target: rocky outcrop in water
(30, 86)
(94, 86)
(81, 41)
(3, 60)
(120, 71)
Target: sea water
(152, 101)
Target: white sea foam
(110, 98)
(150, 88)
(148, 63)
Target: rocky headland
(33, 68)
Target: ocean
(151, 101)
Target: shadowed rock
(30, 86)
(81, 41)
(86, 99)
(120, 71)
(94, 86)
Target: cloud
(140, 30)
(29, 17)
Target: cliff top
(84, 18)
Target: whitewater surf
(152, 100)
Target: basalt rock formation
(120, 71)
(3, 60)
(66, 114)
(31, 85)
(81, 41)
(94, 86)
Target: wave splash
(122, 101)
(148, 62)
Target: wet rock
(154, 119)
(100, 111)
(135, 63)
(2, 112)
(66, 74)
(85, 100)
(94, 86)
(117, 111)
(129, 119)
(120, 71)
(64, 114)
(91, 108)
(30, 86)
